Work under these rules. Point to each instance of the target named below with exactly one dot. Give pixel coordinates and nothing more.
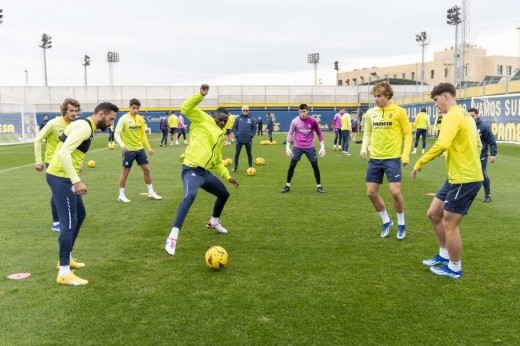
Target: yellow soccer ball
(111, 146)
(251, 171)
(216, 257)
(260, 161)
(91, 164)
(228, 162)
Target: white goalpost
(17, 123)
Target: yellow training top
(173, 121)
(385, 129)
(421, 121)
(67, 159)
(230, 122)
(131, 131)
(51, 132)
(461, 141)
(346, 123)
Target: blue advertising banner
(503, 115)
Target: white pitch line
(32, 164)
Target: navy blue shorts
(309, 152)
(377, 168)
(139, 156)
(228, 131)
(457, 198)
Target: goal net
(17, 123)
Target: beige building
(478, 66)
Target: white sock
(150, 188)
(55, 223)
(455, 266)
(287, 184)
(121, 192)
(319, 185)
(400, 218)
(214, 220)
(443, 252)
(174, 233)
(384, 216)
(64, 270)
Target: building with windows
(478, 68)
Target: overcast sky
(231, 42)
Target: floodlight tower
(422, 40)
(46, 44)
(314, 58)
(86, 62)
(112, 57)
(336, 67)
(1, 15)
(455, 19)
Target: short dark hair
(106, 107)
(220, 110)
(423, 109)
(303, 106)
(474, 110)
(443, 88)
(135, 102)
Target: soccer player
(131, 136)
(229, 137)
(244, 129)
(67, 188)
(302, 128)
(270, 126)
(202, 155)
(386, 126)
(421, 128)
(173, 122)
(346, 127)
(460, 139)
(45, 120)
(336, 125)
(181, 130)
(51, 133)
(489, 146)
(163, 125)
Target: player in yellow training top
(421, 128)
(51, 132)
(460, 139)
(131, 136)
(67, 188)
(386, 125)
(173, 123)
(204, 154)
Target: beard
(102, 127)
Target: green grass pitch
(304, 268)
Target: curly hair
(383, 88)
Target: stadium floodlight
(26, 77)
(1, 16)
(112, 57)
(45, 44)
(314, 58)
(455, 19)
(422, 39)
(336, 67)
(86, 62)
